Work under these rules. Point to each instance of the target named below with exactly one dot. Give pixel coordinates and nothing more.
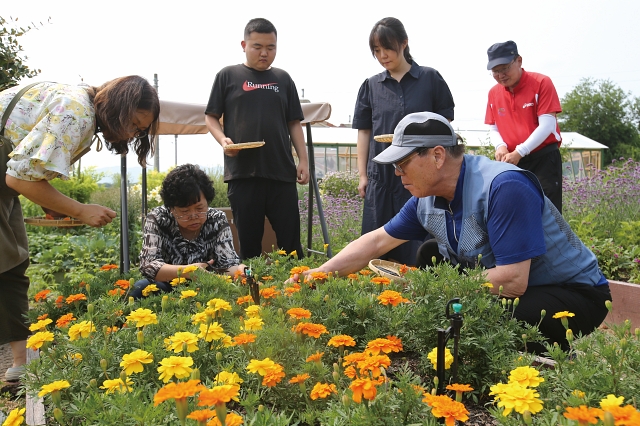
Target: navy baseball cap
(418, 130)
(502, 53)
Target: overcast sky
(324, 47)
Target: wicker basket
(387, 269)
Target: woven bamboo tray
(387, 269)
(383, 138)
(61, 223)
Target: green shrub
(340, 184)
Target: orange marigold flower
(381, 280)
(177, 391)
(244, 338)
(318, 276)
(341, 340)
(323, 390)
(43, 316)
(201, 415)
(123, 284)
(365, 272)
(315, 357)
(75, 297)
(298, 270)
(112, 329)
(381, 345)
(352, 277)
(390, 297)
(373, 364)
(299, 313)
(244, 299)
(115, 292)
(267, 278)
(299, 378)
(108, 267)
(583, 415)
(218, 395)
(311, 329)
(41, 295)
(291, 290)
(457, 387)
(350, 372)
(273, 376)
(627, 415)
(449, 409)
(353, 358)
(269, 292)
(232, 419)
(59, 301)
(363, 387)
(64, 320)
(403, 269)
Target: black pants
(14, 304)
(254, 198)
(546, 164)
(585, 301)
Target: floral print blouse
(164, 244)
(49, 126)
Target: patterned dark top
(164, 244)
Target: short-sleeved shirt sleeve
(49, 125)
(406, 225)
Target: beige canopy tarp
(177, 118)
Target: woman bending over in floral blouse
(185, 231)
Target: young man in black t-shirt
(260, 103)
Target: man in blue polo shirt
(474, 208)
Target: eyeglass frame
(504, 70)
(397, 166)
(140, 133)
(190, 216)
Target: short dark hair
(116, 103)
(182, 186)
(259, 25)
(390, 34)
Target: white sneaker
(13, 374)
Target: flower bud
(195, 374)
(58, 415)
(88, 287)
(504, 301)
(336, 367)
(637, 332)
(326, 297)
(526, 416)
(609, 420)
(346, 401)
(261, 408)
(198, 305)
(90, 308)
(93, 383)
(569, 335)
(624, 343)
(165, 302)
(219, 356)
(123, 377)
(516, 302)
(609, 305)
(336, 377)
(140, 336)
(131, 300)
(103, 364)
(543, 313)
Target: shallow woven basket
(387, 269)
(383, 138)
(60, 223)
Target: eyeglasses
(191, 216)
(503, 70)
(139, 133)
(405, 160)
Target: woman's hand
(362, 185)
(96, 215)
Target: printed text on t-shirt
(248, 86)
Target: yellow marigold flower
(133, 362)
(114, 385)
(201, 416)
(64, 320)
(75, 298)
(563, 314)
(142, 317)
(611, 401)
(210, 332)
(199, 318)
(189, 269)
(341, 340)
(41, 295)
(53, 387)
(218, 395)
(253, 324)
(525, 376)
(514, 396)
(40, 324)
(76, 357)
(185, 294)
(487, 285)
(227, 378)
(227, 341)
(299, 378)
(273, 376)
(181, 338)
(311, 329)
(15, 418)
(232, 419)
(177, 281)
(627, 415)
(583, 415)
(175, 366)
(381, 345)
(219, 305)
(433, 357)
(381, 280)
(177, 391)
(244, 299)
(244, 338)
(299, 313)
(260, 366)
(450, 410)
(253, 311)
(390, 297)
(108, 267)
(373, 364)
(269, 292)
(123, 284)
(363, 387)
(151, 288)
(315, 357)
(82, 329)
(323, 390)
(281, 252)
(578, 393)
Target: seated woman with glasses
(185, 232)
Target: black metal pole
(314, 188)
(143, 189)
(124, 217)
